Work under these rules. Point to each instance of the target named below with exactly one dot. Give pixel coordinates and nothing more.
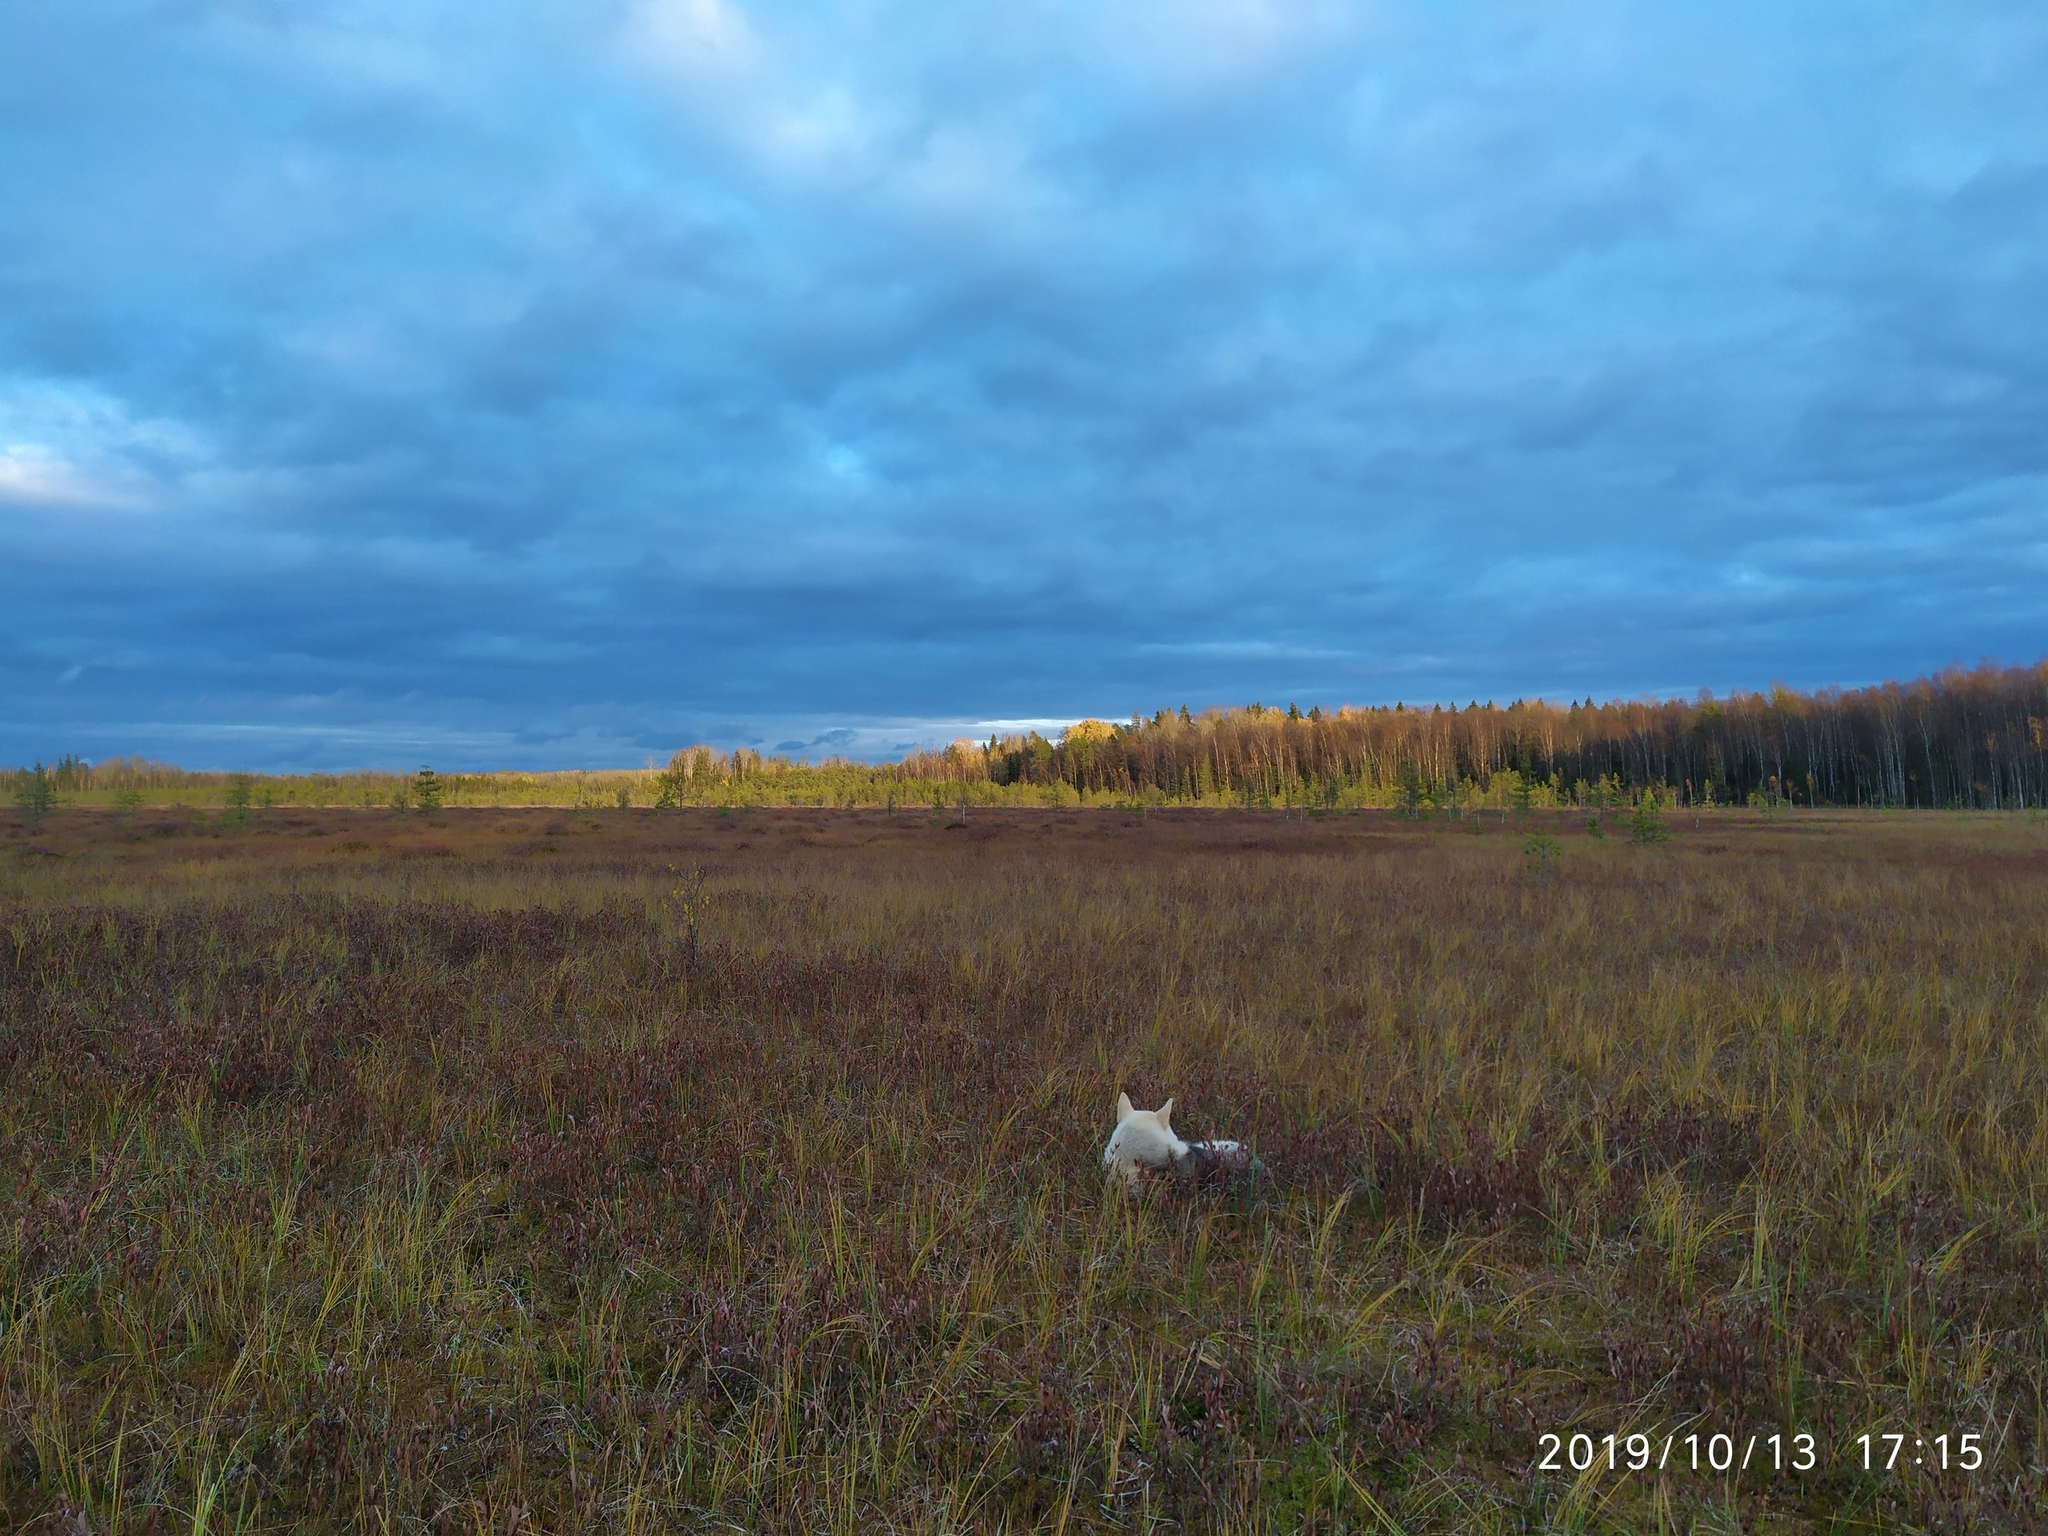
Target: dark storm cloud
(558, 384)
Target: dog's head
(1162, 1117)
(1143, 1139)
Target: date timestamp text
(1763, 1451)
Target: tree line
(1962, 738)
(1975, 738)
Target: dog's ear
(1123, 1108)
(1166, 1115)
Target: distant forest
(1963, 739)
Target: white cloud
(695, 39)
(1212, 43)
(32, 476)
(61, 446)
(826, 132)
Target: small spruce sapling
(1646, 824)
(35, 793)
(427, 790)
(672, 784)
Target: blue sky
(549, 384)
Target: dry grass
(365, 1173)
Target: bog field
(533, 1171)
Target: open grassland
(494, 1172)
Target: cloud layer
(549, 384)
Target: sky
(542, 384)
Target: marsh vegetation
(538, 1171)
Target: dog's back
(1212, 1162)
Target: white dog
(1144, 1139)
